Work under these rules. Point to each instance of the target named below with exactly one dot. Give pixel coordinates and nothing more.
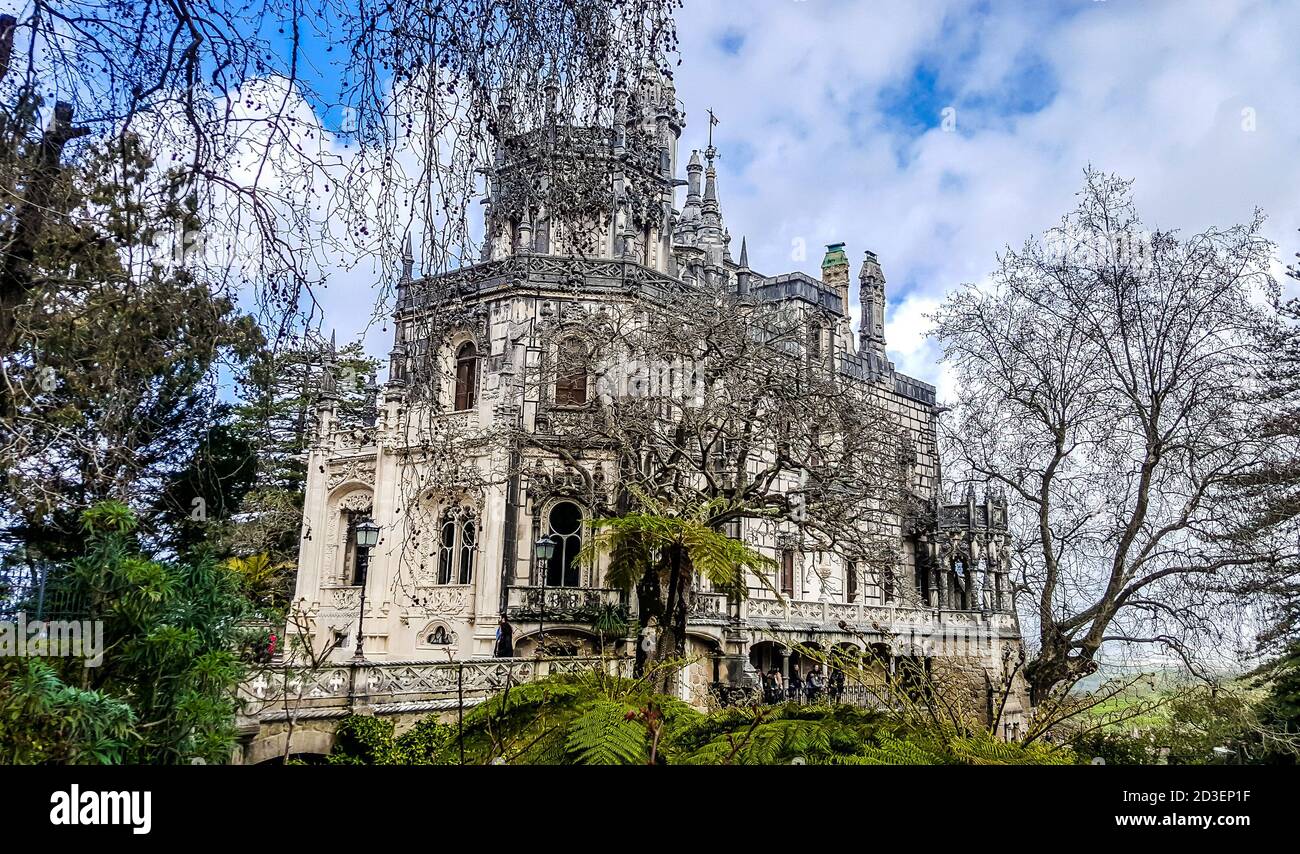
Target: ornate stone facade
(460, 508)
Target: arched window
(571, 373)
(466, 377)
(457, 546)
(565, 524)
(356, 556)
(468, 532)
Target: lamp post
(543, 550)
(367, 537)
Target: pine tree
(277, 416)
(112, 382)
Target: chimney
(835, 273)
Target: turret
(871, 293)
(835, 272)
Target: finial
(525, 234)
(744, 253)
(408, 258)
(328, 382)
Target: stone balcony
(797, 614)
(560, 604)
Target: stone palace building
(460, 508)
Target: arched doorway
(558, 642)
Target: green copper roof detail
(834, 256)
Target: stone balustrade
(277, 691)
(560, 604)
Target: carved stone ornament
(359, 501)
(362, 471)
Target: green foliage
(266, 584)
(1189, 722)
(641, 539)
(44, 721)
(199, 500)
(429, 742)
(363, 740)
(1115, 748)
(1281, 707)
(111, 372)
(607, 733)
(595, 719)
(164, 692)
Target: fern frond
(606, 734)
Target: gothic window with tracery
(457, 546)
(353, 509)
(565, 529)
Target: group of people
(809, 689)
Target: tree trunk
(1054, 667)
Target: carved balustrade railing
(708, 608)
(864, 617)
(537, 270)
(285, 688)
(562, 604)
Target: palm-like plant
(264, 580)
(659, 551)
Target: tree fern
(607, 734)
(899, 751)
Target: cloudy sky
(833, 129)
(832, 126)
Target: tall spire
(710, 183)
(408, 258)
(743, 274)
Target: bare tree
(255, 146)
(1101, 372)
(1268, 495)
(306, 133)
(710, 403)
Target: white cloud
(1154, 92)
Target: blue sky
(833, 129)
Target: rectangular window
(851, 584)
(571, 389)
(787, 572)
